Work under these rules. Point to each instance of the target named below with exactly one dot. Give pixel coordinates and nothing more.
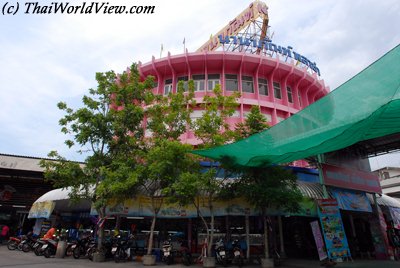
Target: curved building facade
(279, 88)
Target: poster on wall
(332, 228)
(351, 200)
(319, 241)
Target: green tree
(255, 122)
(109, 126)
(263, 187)
(266, 188)
(198, 187)
(166, 158)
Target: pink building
(278, 87)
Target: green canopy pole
(321, 160)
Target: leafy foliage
(110, 125)
(255, 122)
(212, 128)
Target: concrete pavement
(20, 259)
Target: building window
(185, 83)
(167, 86)
(198, 80)
(289, 94)
(213, 80)
(263, 86)
(386, 175)
(247, 84)
(277, 90)
(231, 82)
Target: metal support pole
(321, 160)
(247, 224)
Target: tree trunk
(100, 229)
(266, 244)
(150, 242)
(206, 226)
(210, 243)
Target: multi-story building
(390, 181)
(276, 78)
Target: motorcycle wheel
(90, 253)
(239, 261)
(76, 253)
(26, 247)
(187, 259)
(69, 251)
(170, 260)
(38, 251)
(12, 245)
(117, 255)
(47, 253)
(224, 262)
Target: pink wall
(302, 83)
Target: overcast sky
(49, 58)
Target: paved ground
(24, 260)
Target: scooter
(37, 247)
(237, 253)
(185, 253)
(167, 257)
(220, 253)
(29, 242)
(15, 242)
(81, 247)
(123, 249)
(50, 248)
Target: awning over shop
(365, 107)
(312, 190)
(385, 200)
(59, 200)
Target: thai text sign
(351, 179)
(332, 227)
(255, 10)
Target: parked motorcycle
(122, 251)
(81, 246)
(50, 248)
(37, 247)
(15, 242)
(237, 252)
(220, 252)
(167, 256)
(29, 243)
(106, 249)
(184, 252)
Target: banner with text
(332, 228)
(351, 179)
(319, 241)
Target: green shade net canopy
(365, 107)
